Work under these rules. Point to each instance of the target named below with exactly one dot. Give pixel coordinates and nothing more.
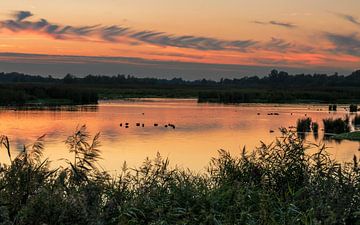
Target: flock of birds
(170, 125)
(127, 125)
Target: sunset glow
(310, 36)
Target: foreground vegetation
(280, 183)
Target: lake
(200, 129)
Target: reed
(278, 183)
(303, 125)
(336, 126)
(315, 127)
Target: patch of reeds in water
(304, 125)
(336, 126)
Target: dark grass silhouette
(277, 183)
(336, 126)
(304, 125)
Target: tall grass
(303, 125)
(278, 183)
(315, 127)
(336, 126)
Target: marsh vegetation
(277, 183)
(336, 126)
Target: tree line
(276, 87)
(273, 79)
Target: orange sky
(317, 35)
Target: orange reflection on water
(201, 130)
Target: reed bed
(304, 125)
(336, 126)
(278, 183)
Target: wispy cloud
(20, 15)
(276, 23)
(349, 18)
(113, 33)
(348, 44)
(43, 26)
(59, 65)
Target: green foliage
(86, 154)
(277, 183)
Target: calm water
(201, 129)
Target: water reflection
(201, 129)
(80, 108)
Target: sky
(191, 39)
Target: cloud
(22, 21)
(56, 31)
(59, 65)
(349, 18)
(277, 44)
(194, 42)
(20, 15)
(348, 44)
(114, 33)
(276, 23)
